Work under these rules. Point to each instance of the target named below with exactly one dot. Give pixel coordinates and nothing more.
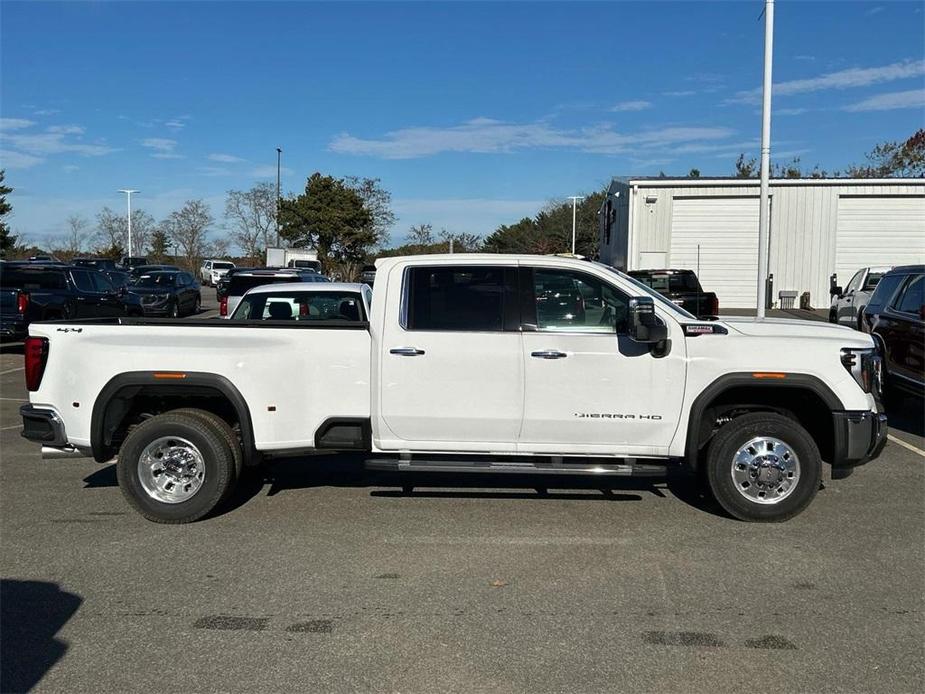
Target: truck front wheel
(763, 467)
(175, 468)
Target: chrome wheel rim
(171, 470)
(765, 470)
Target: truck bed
(293, 375)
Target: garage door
(878, 231)
(718, 239)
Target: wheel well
(125, 402)
(802, 404)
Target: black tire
(197, 307)
(221, 426)
(733, 436)
(216, 455)
(174, 310)
(833, 316)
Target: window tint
(913, 296)
(575, 302)
(101, 283)
(27, 278)
(885, 290)
(455, 298)
(83, 281)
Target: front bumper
(859, 438)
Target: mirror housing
(644, 325)
(835, 291)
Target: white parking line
(914, 449)
(10, 371)
(15, 426)
(14, 399)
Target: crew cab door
(588, 387)
(450, 362)
(88, 299)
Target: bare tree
(188, 229)
(77, 236)
(421, 235)
(252, 216)
(462, 243)
(219, 247)
(143, 226)
(112, 230)
(377, 202)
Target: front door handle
(549, 354)
(406, 351)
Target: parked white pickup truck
(484, 363)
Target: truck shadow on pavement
(348, 470)
(31, 613)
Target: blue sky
(472, 114)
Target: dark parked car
(683, 288)
(168, 293)
(895, 316)
(368, 275)
(140, 270)
(133, 261)
(119, 279)
(31, 292)
(104, 264)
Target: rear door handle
(549, 354)
(406, 351)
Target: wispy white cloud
(485, 135)
(460, 215)
(214, 171)
(46, 112)
(680, 92)
(637, 105)
(789, 111)
(805, 58)
(225, 158)
(17, 160)
(875, 10)
(164, 148)
(175, 124)
(57, 139)
(913, 98)
(70, 168)
(270, 172)
(850, 78)
(67, 129)
(15, 123)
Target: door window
(83, 281)
(912, 297)
(572, 301)
(855, 282)
(101, 283)
(451, 298)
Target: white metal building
(818, 227)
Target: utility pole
(128, 194)
(279, 157)
(574, 199)
(764, 209)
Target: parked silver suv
(848, 304)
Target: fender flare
(735, 380)
(140, 379)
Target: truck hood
(795, 328)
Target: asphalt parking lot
(319, 576)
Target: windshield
(300, 305)
(166, 279)
(648, 291)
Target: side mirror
(835, 291)
(644, 325)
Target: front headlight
(865, 366)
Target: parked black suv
(895, 316)
(683, 288)
(169, 293)
(31, 292)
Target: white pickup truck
(483, 363)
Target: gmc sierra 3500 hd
(482, 363)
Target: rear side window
(101, 283)
(25, 278)
(303, 306)
(452, 298)
(913, 296)
(873, 279)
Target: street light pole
(764, 209)
(279, 158)
(128, 194)
(574, 199)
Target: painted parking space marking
(10, 371)
(908, 446)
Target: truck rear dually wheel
(763, 467)
(175, 468)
